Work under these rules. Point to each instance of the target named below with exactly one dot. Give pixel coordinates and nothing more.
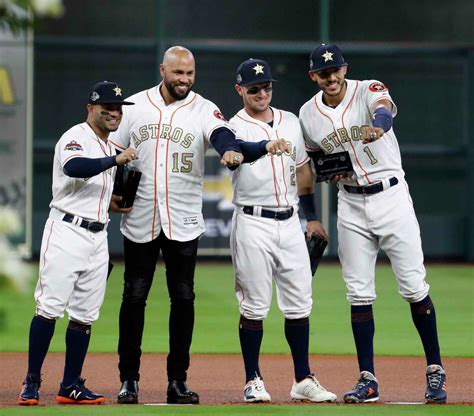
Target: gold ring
(133, 155)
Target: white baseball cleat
(254, 391)
(309, 389)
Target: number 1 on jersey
(371, 156)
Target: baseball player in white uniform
(375, 210)
(267, 241)
(74, 255)
(171, 126)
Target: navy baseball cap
(253, 71)
(107, 92)
(324, 57)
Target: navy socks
(363, 329)
(77, 343)
(297, 336)
(424, 318)
(250, 334)
(41, 333)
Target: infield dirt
(219, 379)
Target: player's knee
(415, 295)
(359, 300)
(49, 320)
(296, 315)
(136, 291)
(250, 324)
(296, 322)
(50, 312)
(255, 315)
(79, 327)
(423, 307)
(182, 291)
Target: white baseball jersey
(271, 180)
(88, 198)
(366, 223)
(171, 142)
(74, 260)
(338, 129)
(265, 249)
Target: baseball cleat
(179, 393)
(29, 395)
(365, 391)
(311, 390)
(78, 393)
(436, 384)
(254, 391)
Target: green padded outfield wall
(422, 50)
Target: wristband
(383, 118)
(308, 206)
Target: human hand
(336, 178)
(114, 205)
(315, 228)
(232, 159)
(128, 155)
(370, 134)
(277, 146)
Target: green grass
(235, 410)
(452, 291)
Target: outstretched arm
(84, 167)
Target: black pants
(140, 264)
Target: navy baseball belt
(93, 227)
(369, 189)
(268, 213)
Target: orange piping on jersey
(155, 171)
(167, 158)
(330, 119)
(303, 162)
(104, 183)
(116, 145)
(44, 258)
(355, 154)
(251, 122)
(283, 169)
(274, 181)
(104, 187)
(281, 117)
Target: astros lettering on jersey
(172, 147)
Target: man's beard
(175, 94)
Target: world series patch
(73, 146)
(377, 87)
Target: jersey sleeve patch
(73, 146)
(218, 114)
(377, 87)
